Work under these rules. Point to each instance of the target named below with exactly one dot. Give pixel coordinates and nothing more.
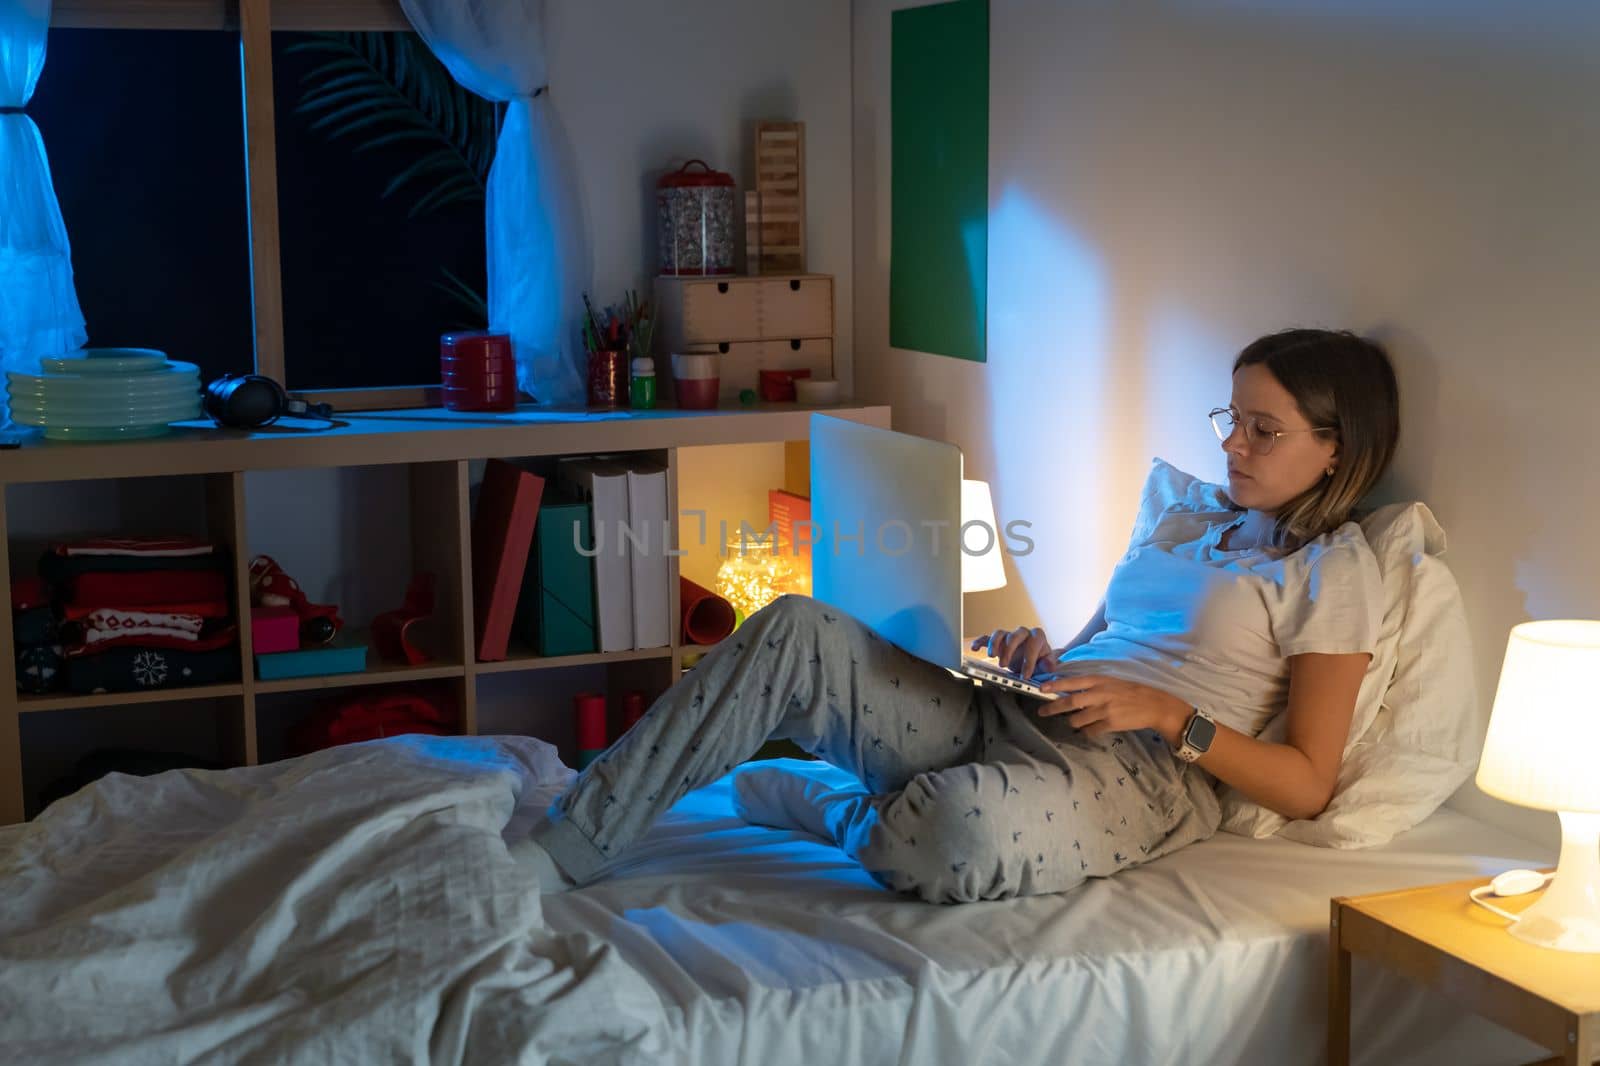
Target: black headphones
(248, 401)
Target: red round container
(477, 371)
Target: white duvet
(354, 905)
(359, 905)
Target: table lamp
(983, 571)
(1541, 751)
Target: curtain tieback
(11, 111)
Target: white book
(605, 485)
(647, 553)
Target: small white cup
(695, 366)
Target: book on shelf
(502, 534)
(556, 610)
(785, 511)
(649, 564)
(604, 484)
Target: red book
(787, 510)
(502, 533)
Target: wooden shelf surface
(381, 674)
(426, 435)
(526, 660)
(176, 694)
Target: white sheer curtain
(39, 313)
(537, 264)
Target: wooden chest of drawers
(753, 323)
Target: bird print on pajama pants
(967, 793)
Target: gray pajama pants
(969, 795)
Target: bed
(360, 904)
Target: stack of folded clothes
(142, 612)
(33, 630)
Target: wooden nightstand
(1437, 936)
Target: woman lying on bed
(1227, 609)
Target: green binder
(555, 611)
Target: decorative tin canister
(694, 220)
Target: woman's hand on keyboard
(1024, 649)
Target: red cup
(697, 394)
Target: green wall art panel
(939, 106)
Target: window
(344, 288)
(382, 159)
(147, 168)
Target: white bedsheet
(772, 947)
(359, 905)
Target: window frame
(255, 21)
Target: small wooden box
(781, 322)
(717, 310)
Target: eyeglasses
(1257, 437)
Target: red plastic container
(477, 371)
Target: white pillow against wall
(1414, 736)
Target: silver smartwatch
(1197, 736)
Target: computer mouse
(1518, 882)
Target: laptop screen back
(887, 514)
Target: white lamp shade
(1544, 731)
(982, 566)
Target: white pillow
(1414, 736)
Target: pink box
(274, 629)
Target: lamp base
(1567, 916)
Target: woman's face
(1296, 461)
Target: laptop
(886, 514)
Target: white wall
(1170, 180)
(640, 87)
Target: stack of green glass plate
(105, 394)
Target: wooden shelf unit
(437, 447)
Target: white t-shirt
(1216, 628)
